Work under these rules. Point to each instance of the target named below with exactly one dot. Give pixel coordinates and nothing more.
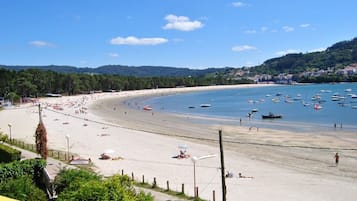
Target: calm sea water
(296, 103)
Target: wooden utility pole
(39, 112)
(224, 189)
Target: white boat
(275, 100)
(205, 105)
(255, 110)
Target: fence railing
(60, 155)
(64, 156)
(166, 189)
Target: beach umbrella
(182, 146)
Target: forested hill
(337, 56)
(141, 71)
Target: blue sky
(180, 33)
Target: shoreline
(163, 123)
(280, 173)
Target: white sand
(280, 173)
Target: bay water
(305, 107)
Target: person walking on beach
(337, 158)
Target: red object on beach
(147, 107)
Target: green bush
(31, 167)
(8, 154)
(22, 188)
(71, 179)
(76, 184)
(3, 137)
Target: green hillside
(337, 56)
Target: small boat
(191, 107)
(255, 110)
(317, 107)
(205, 105)
(354, 106)
(272, 116)
(275, 100)
(306, 104)
(147, 107)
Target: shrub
(76, 184)
(72, 178)
(22, 188)
(8, 154)
(31, 167)
(3, 137)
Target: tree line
(37, 83)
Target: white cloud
(132, 40)
(250, 32)
(304, 25)
(114, 55)
(181, 23)
(318, 49)
(239, 4)
(38, 43)
(288, 28)
(243, 48)
(285, 52)
(264, 29)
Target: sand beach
(284, 165)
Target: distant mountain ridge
(140, 71)
(337, 56)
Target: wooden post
(122, 172)
(143, 180)
(183, 188)
(154, 184)
(167, 185)
(39, 113)
(214, 195)
(224, 189)
(132, 176)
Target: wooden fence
(60, 155)
(166, 189)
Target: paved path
(54, 166)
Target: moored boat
(272, 116)
(147, 107)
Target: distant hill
(337, 56)
(140, 71)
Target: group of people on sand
(230, 175)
